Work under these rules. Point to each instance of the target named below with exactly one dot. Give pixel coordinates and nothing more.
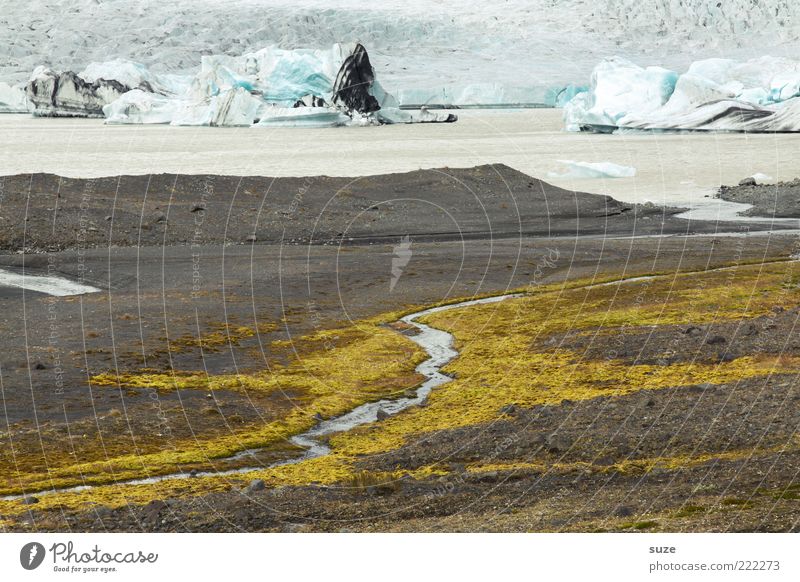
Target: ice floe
(592, 170)
(759, 95)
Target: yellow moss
(636, 466)
(368, 367)
(499, 364)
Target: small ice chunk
(273, 116)
(590, 170)
(762, 178)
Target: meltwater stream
(438, 344)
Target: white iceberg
(141, 108)
(712, 95)
(274, 116)
(619, 87)
(13, 99)
(593, 170)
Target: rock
(159, 217)
(193, 473)
(750, 329)
(251, 238)
(109, 217)
(557, 443)
(30, 500)
(488, 477)
(39, 366)
(692, 330)
(605, 461)
(382, 414)
(318, 417)
(623, 511)
(749, 181)
(153, 509)
(508, 410)
(198, 208)
(256, 485)
(716, 340)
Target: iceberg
(275, 116)
(13, 98)
(759, 95)
(65, 94)
(85, 94)
(270, 87)
(592, 170)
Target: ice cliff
(759, 95)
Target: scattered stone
(153, 509)
(750, 329)
(557, 443)
(488, 477)
(716, 340)
(256, 485)
(509, 410)
(623, 511)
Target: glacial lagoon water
(680, 169)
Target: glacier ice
(13, 98)
(592, 170)
(759, 95)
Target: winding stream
(438, 344)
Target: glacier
(446, 46)
(758, 95)
(271, 87)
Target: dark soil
(170, 265)
(780, 200)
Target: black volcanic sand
(174, 262)
(780, 200)
(45, 212)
